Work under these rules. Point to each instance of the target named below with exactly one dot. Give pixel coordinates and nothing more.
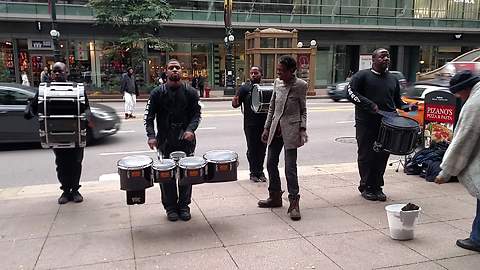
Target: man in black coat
(68, 160)
(252, 126)
(175, 108)
(373, 90)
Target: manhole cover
(346, 140)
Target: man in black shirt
(252, 126)
(175, 108)
(372, 90)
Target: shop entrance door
(38, 62)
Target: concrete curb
(212, 99)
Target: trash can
(401, 223)
(207, 91)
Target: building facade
(421, 35)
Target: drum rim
(384, 121)
(168, 168)
(193, 167)
(221, 161)
(141, 167)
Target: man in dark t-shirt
(373, 90)
(252, 125)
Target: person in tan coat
(285, 128)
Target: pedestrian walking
(129, 89)
(372, 90)
(285, 127)
(25, 80)
(175, 109)
(462, 158)
(45, 75)
(253, 123)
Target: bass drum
(261, 95)
(398, 135)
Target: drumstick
(159, 154)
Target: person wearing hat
(462, 158)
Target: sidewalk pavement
(214, 96)
(338, 230)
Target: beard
(174, 78)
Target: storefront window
(7, 67)
(79, 60)
(268, 65)
(183, 53)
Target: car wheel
(336, 99)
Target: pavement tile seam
(91, 264)
(46, 237)
(131, 237)
(408, 264)
(454, 257)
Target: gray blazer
(288, 109)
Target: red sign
(440, 113)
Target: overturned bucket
(401, 223)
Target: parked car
(14, 128)
(416, 95)
(338, 91)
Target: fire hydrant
(207, 92)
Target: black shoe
(64, 198)
(380, 195)
(172, 216)
(263, 178)
(254, 179)
(361, 188)
(468, 244)
(184, 214)
(77, 197)
(369, 195)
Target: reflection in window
(284, 43)
(268, 65)
(267, 42)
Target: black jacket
(161, 107)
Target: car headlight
(99, 113)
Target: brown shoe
(294, 209)
(274, 200)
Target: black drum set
(140, 172)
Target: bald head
(59, 71)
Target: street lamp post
(54, 32)
(229, 64)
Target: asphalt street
(221, 128)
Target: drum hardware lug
(377, 147)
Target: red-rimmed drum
(164, 171)
(135, 176)
(193, 171)
(222, 165)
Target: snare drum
(261, 95)
(193, 171)
(135, 176)
(177, 155)
(222, 165)
(164, 171)
(398, 135)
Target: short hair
(259, 68)
(377, 51)
(289, 62)
(173, 60)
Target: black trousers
(69, 167)
(371, 164)
(174, 198)
(273, 157)
(256, 149)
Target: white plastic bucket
(401, 223)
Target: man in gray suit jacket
(285, 127)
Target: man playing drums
(252, 125)
(175, 108)
(372, 90)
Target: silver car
(14, 128)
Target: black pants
(173, 198)
(201, 89)
(69, 167)
(371, 164)
(273, 157)
(255, 149)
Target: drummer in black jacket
(373, 90)
(252, 126)
(175, 108)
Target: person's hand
(188, 135)
(375, 108)
(303, 136)
(414, 107)
(265, 136)
(235, 103)
(440, 180)
(152, 143)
